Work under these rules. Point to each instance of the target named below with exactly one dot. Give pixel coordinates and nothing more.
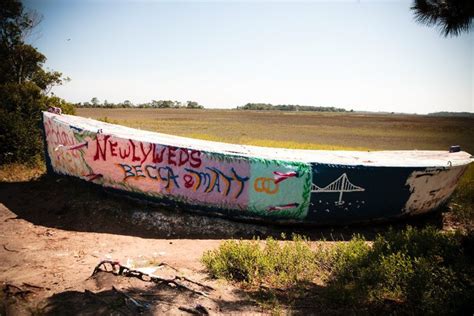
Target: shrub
(277, 263)
(20, 121)
(410, 271)
(343, 258)
(234, 260)
(423, 271)
(18, 140)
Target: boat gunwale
(444, 159)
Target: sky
(361, 55)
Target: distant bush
(452, 114)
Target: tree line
(289, 107)
(155, 104)
(169, 104)
(452, 114)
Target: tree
(164, 104)
(95, 102)
(21, 62)
(194, 105)
(24, 86)
(452, 16)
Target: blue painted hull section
(383, 199)
(385, 194)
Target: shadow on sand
(71, 204)
(106, 294)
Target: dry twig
(11, 250)
(117, 269)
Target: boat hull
(240, 184)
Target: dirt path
(55, 230)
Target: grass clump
(105, 119)
(255, 262)
(17, 172)
(417, 271)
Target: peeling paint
(431, 187)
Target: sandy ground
(47, 270)
(55, 230)
(48, 251)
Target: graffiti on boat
(259, 186)
(237, 184)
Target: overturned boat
(248, 182)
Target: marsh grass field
(303, 130)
